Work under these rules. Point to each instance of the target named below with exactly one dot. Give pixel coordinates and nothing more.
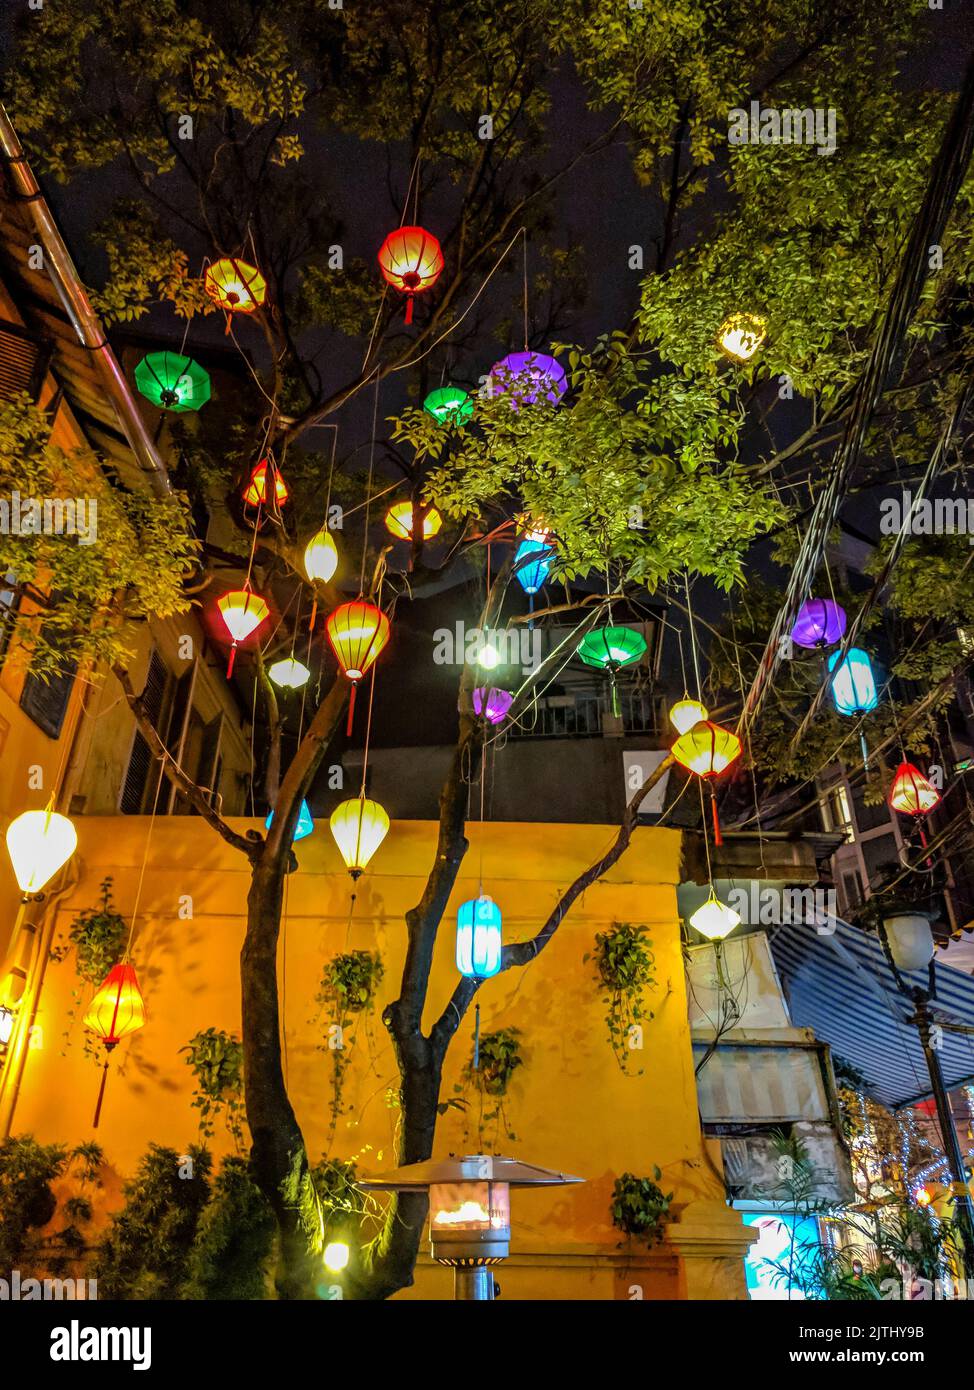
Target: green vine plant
(97, 936)
(216, 1059)
(40, 1234)
(488, 1073)
(348, 991)
(639, 1206)
(626, 969)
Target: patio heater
(470, 1210)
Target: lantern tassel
(531, 612)
(233, 657)
(718, 838)
(314, 613)
(101, 1095)
(476, 1038)
(615, 695)
(865, 751)
(351, 710)
(409, 308)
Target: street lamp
(908, 943)
(470, 1210)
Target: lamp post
(470, 1210)
(908, 943)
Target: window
(142, 774)
(836, 811)
(44, 698)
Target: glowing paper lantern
(411, 261)
(357, 633)
(399, 521)
(715, 919)
(608, 648)
(242, 611)
(491, 703)
(255, 493)
(336, 1256)
(321, 557)
(117, 1010)
(7, 1020)
(911, 793)
(288, 673)
(685, 713)
(820, 623)
(526, 376)
(449, 405)
(235, 286)
(708, 750)
(39, 843)
(173, 382)
(359, 827)
(741, 335)
(532, 574)
(853, 683)
(304, 826)
(479, 938)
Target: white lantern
(910, 940)
(715, 919)
(39, 843)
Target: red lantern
(242, 611)
(116, 1010)
(357, 632)
(411, 261)
(708, 750)
(255, 493)
(912, 794)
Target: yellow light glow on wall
(39, 843)
(399, 521)
(359, 827)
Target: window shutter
(137, 775)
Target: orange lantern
(255, 493)
(235, 287)
(116, 1010)
(357, 632)
(912, 794)
(708, 750)
(411, 261)
(242, 611)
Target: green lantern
(173, 382)
(608, 648)
(450, 405)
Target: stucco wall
(569, 1105)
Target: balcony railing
(589, 716)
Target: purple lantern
(527, 375)
(820, 622)
(491, 703)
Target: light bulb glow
(39, 843)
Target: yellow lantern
(321, 557)
(235, 286)
(336, 1256)
(741, 335)
(399, 521)
(359, 827)
(118, 1007)
(39, 843)
(715, 919)
(289, 674)
(242, 611)
(706, 749)
(685, 713)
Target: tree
(662, 458)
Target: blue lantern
(532, 573)
(853, 684)
(304, 826)
(479, 938)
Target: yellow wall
(570, 1105)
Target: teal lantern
(853, 683)
(450, 405)
(304, 826)
(536, 566)
(172, 381)
(609, 648)
(479, 938)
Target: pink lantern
(491, 703)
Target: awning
(839, 984)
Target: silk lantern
(820, 623)
(740, 336)
(117, 1010)
(242, 611)
(708, 750)
(449, 405)
(303, 827)
(357, 632)
(39, 843)
(479, 926)
(173, 382)
(399, 521)
(685, 713)
(528, 376)
(235, 286)
(359, 826)
(289, 673)
(609, 649)
(411, 261)
(714, 919)
(255, 493)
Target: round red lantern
(357, 633)
(411, 260)
(116, 1010)
(912, 794)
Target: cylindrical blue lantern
(533, 573)
(853, 683)
(479, 938)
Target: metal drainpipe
(87, 325)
